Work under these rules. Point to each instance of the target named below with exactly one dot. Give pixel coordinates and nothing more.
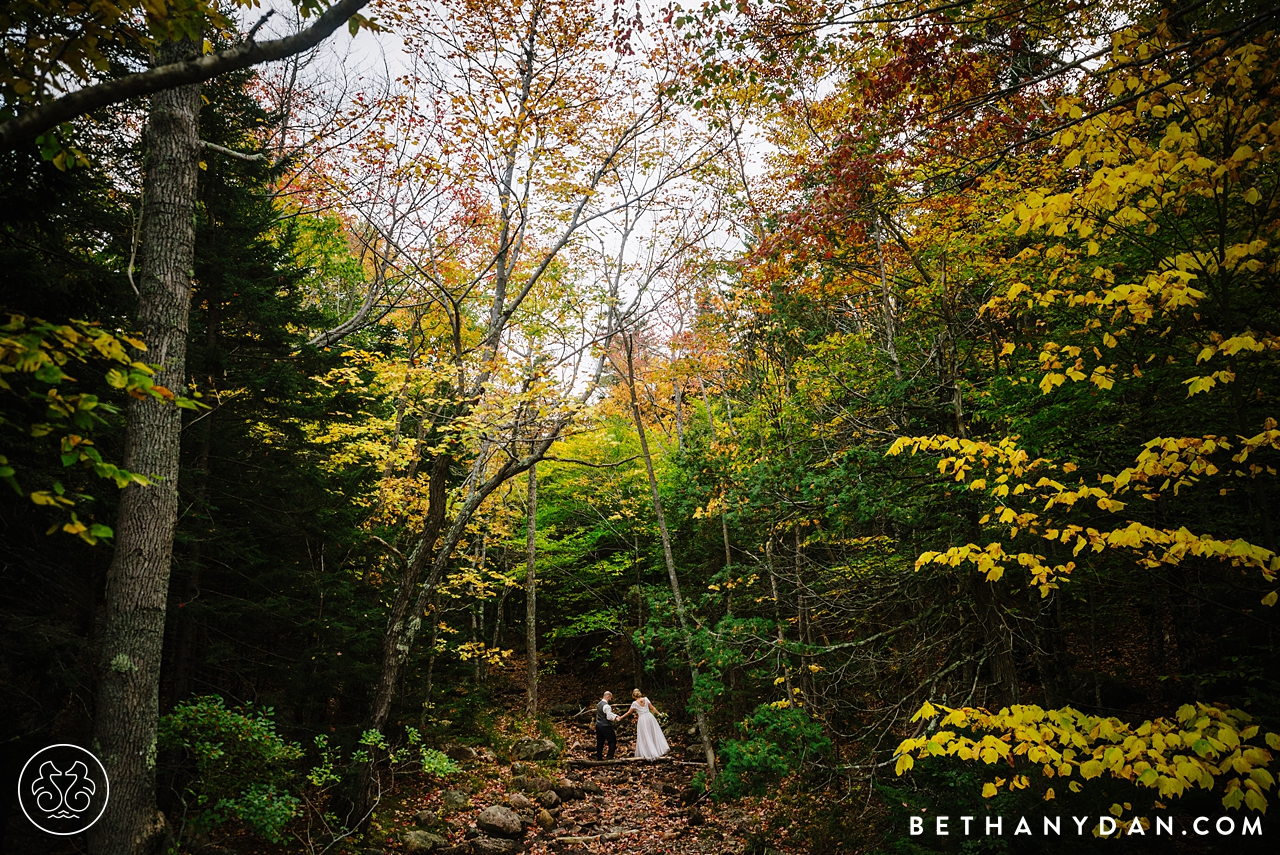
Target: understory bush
(234, 766)
(775, 742)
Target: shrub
(776, 741)
(437, 765)
(235, 767)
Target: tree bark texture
(138, 579)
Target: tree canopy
(888, 389)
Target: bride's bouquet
(662, 718)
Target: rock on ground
(461, 753)
(535, 749)
(455, 800)
(494, 846)
(423, 842)
(568, 791)
(499, 821)
(531, 785)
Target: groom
(604, 727)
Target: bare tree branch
(39, 119)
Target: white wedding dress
(650, 743)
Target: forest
(888, 390)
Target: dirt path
(566, 809)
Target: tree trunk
(784, 658)
(185, 620)
(475, 665)
(699, 713)
(138, 580)
(434, 613)
(394, 645)
(531, 599)
(886, 305)
(679, 415)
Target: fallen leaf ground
(645, 807)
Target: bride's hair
(635, 693)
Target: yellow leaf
(988, 790)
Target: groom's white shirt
(608, 711)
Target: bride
(650, 743)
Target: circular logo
(63, 789)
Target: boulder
(548, 799)
(696, 817)
(460, 849)
(519, 801)
(568, 791)
(670, 789)
(563, 710)
(494, 846)
(545, 820)
(422, 842)
(460, 753)
(425, 819)
(532, 785)
(487, 755)
(520, 769)
(499, 821)
(591, 788)
(535, 749)
(455, 800)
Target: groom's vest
(602, 720)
